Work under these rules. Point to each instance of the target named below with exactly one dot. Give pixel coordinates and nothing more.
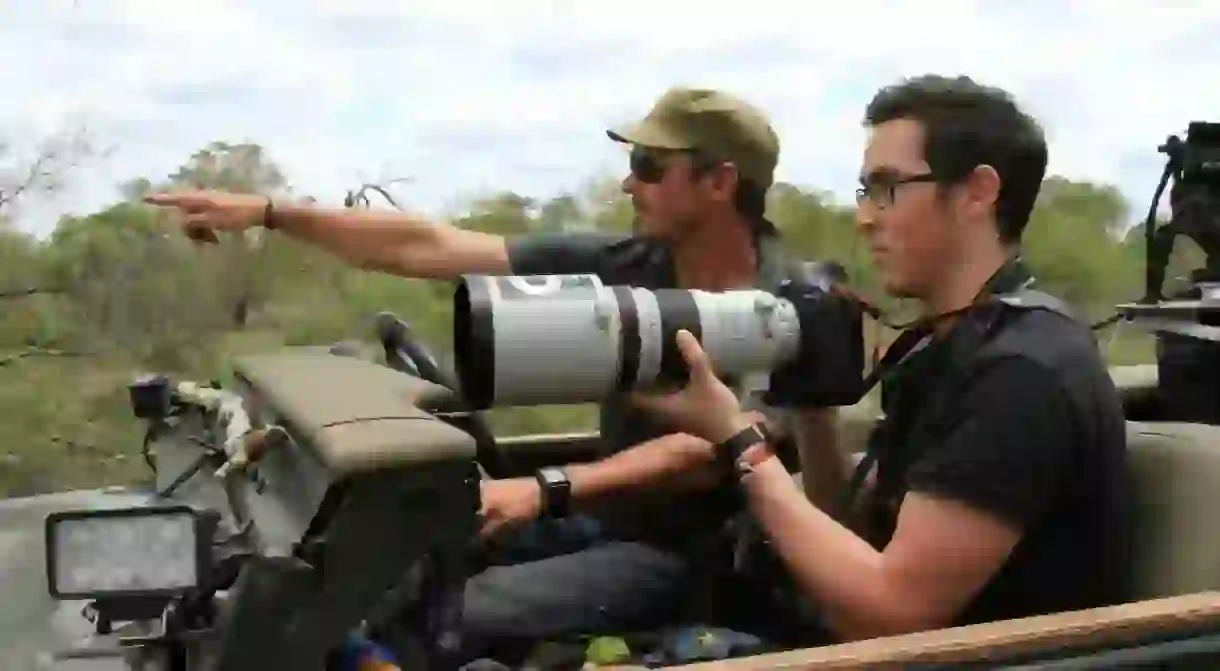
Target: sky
(468, 96)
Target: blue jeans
(554, 580)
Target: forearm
(824, 468)
(394, 242)
(843, 576)
(674, 462)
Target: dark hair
(750, 198)
(966, 125)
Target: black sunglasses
(881, 189)
(648, 165)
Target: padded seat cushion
(356, 415)
(1176, 472)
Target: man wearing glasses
(701, 164)
(999, 488)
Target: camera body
(828, 369)
(152, 397)
(1201, 155)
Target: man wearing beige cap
(701, 163)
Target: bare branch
(29, 291)
(38, 351)
(359, 197)
(54, 158)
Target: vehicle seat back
(1176, 481)
(855, 426)
(1138, 387)
(1175, 471)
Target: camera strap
(1009, 288)
(907, 344)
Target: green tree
(1074, 243)
(605, 207)
(136, 286)
(241, 260)
(30, 318)
(560, 213)
(502, 213)
(139, 295)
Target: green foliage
(129, 294)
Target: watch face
(552, 476)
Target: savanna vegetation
(121, 291)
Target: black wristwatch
(731, 450)
(269, 215)
(556, 492)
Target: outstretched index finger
(180, 199)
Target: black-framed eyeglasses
(881, 190)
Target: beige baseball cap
(713, 122)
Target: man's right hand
(210, 212)
(508, 504)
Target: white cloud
(474, 94)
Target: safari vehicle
(305, 502)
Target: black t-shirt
(1034, 433)
(676, 521)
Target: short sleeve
(1008, 445)
(616, 259)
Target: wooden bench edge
(1112, 625)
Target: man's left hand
(706, 407)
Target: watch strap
(731, 450)
(269, 215)
(556, 492)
